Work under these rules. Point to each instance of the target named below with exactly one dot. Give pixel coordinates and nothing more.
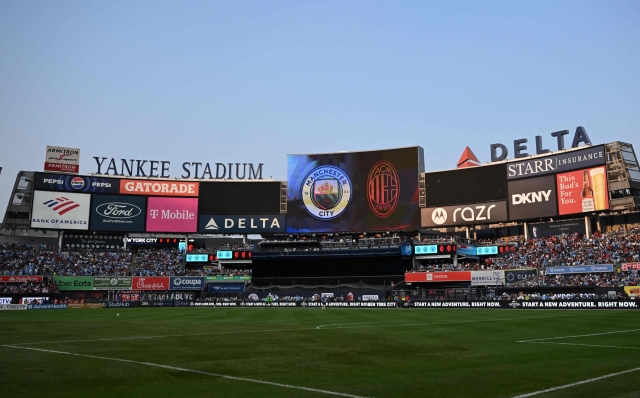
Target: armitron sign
(66, 160)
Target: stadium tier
(367, 226)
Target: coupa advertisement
(60, 210)
(187, 283)
(357, 191)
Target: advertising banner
(544, 230)
(425, 249)
(12, 307)
(633, 291)
(100, 242)
(356, 191)
(467, 250)
(225, 287)
(94, 306)
(245, 224)
(581, 269)
(588, 157)
(486, 250)
(534, 305)
(47, 306)
(54, 210)
(73, 282)
(197, 258)
(172, 215)
(5, 300)
(480, 213)
(583, 191)
(19, 278)
(228, 278)
(532, 198)
(159, 188)
(239, 197)
(466, 185)
(453, 276)
(187, 283)
(78, 184)
(33, 300)
(58, 158)
(118, 213)
(518, 275)
(630, 266)
(112, 282)
(150, 283)
(487, 278)
(406, 248)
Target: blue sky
(245, 81)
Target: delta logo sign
(54, 211)
(500, 152)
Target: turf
(362, 352)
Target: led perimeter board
(466, 186)
(354, 191)
(239, 197)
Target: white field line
(191, 371)
(158, 337)
(429, 324)
(584, 345)
(278, 330)
(531, 394)
(580, 335)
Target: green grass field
(293, 352)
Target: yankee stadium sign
(195, 170)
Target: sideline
(191, 371)
(531, 394)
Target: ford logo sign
(118, 210)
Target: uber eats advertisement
(356, 191)
(73, 282)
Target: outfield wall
(502, 304)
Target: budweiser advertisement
(453, 276)
(60, 210)
(582, 191)
(66, 160)
(20, 278)
(150, 283)
(172, 215)
(159, 188)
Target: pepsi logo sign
(77, 183)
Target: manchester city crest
(326, 192)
